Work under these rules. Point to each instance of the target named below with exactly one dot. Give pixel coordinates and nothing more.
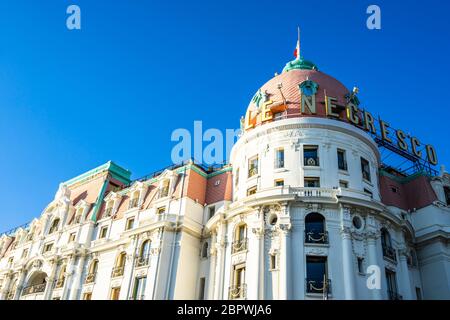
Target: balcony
(237, 292)
(311, 161)
(393, 295)
(390, 253)
(37, 288)
(90, 278)
(239, 245)
(143, 260)
(317, 286)
(59, 283)
(117, 272)
(312, 236)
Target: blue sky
(115, 90)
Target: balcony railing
(37, 288)
(143, 260)
(90, 278)
(390, 253)
(318, 286)
(59, 283)
(117, 272)
(279, 163)
(137, 297)
(312, 236)
(393, 295)
(133, 204)
(311, 161)
(253, 171)
(237, 291)
(239, 245)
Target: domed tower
(306, 220)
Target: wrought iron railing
(239, 245)
(393, 295)
(389, 252)
(237, 291)
(143, 260)
(90, 278)
(252, 171)
(342, 165)
(117, 272)
(312, 236)
(311, 161)
(279, 163)
(37, 288)
(318, 286)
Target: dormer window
(164, 192)
(134, 200)
(54, 226)
(78, 215)
(109, 208)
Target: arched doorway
(36, 284)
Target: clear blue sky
(72, 100)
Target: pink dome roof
(284, 90)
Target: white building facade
(304, 210)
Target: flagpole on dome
(297, 50)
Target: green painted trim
(404, 179)
(118, 172)
(99, 201)
(223, 170)
(300, 64)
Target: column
(212, 267)
(373, 261)
(68, 277)
(254, 265)
(77, 279)
(50, 280)
(405, 282)
(285, 278)
(220, 245)
(20, 282)
(347, 265)
(5, 288)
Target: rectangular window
(253, 166)
(343, 184)
(279, 183)
(342, 161)
(251, 191)
(312, 182)
(212, 211)
(365, 169)
(103, 232)
(279, 158)
(139, 288)
(447, 195)
(130, 224)
(310, 156)
(237, 290)
(201, 289)
(115, 293)
(392, 285)
(161, 210)
(48, 247)
(418, 293)
(273, 262)
(72, 237)
(368, 192)
(361, 265)
(87, 296)
(316, 275)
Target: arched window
(315, 228)
(109, 208)
(119, 265)
(385, 238)
(92, 271)
(61, 277)
(54, 226)
(205, 250)
(386, 244)
(164, 191)
(240, 238)
(144, 254)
